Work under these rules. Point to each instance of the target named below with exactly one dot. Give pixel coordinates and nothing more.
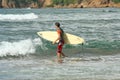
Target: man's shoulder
(58, 30)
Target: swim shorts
(60, 46)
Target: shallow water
(25, 56)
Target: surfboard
(68, 38)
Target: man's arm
(58, 38)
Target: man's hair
(57, 24)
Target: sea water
(26, 56)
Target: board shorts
(60, 46)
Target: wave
(22, 47)
(28, 16)
(38, 46)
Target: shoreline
(58, 7)
(61, 7)
(52, 4)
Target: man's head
(57, 24)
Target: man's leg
(59, 48)
(63, 55)
(59, 57)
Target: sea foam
(28, 16)
(22, 47)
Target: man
(60, 40)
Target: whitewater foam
(28, 16)
(22, 47)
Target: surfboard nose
(39, 33)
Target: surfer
(60, 40)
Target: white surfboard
(68, 38)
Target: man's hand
(53, 42)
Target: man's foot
(64, 56)
(60, 61)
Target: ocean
(26, 56)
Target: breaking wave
(28, 16)
(22, 47)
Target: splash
(22, 47)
